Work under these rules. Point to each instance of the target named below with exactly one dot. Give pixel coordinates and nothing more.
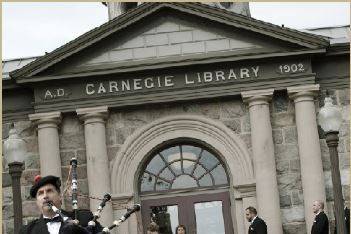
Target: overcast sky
(31, 29)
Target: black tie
(54, 219)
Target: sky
(33, 28)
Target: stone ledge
(48, 115)
(92, 110)
(257, 97)
(303, 93)
(245, 190)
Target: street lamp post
(15, 152)
(329, 117)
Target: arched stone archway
(232, 149)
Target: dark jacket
(347, 221)
(320, 224)
(84, 216)
(258, 227)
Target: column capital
(46, 120)
(245, 190)
(93, 114)
(257, 97)
(303, 92)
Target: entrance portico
(186, 108)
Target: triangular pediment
(172, 37)
(173, 32)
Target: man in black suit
(320, 223)
(47, 190)
(347, 220)
(258, 226)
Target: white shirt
(53, 227)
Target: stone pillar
(97, 161)
(48, 141)
(264, 159)
(309, 148)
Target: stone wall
(27, 131)
(72, 144)
(342, 99)
(287, 163)
(122, 124)
(174, 36)
(233, 113)
(167, 37)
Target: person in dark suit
(258, 225)
(347, 220)
(47, 190)
(320, 223)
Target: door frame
(186, 211)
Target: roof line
(326, 27)
(21, 58)
(124, 20)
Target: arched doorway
(211, 135)
(186, 183)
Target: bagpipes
(116, 223)
(72, 225)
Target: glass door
(209, 217)
(166, 216)
(168, 213)
(201, 214)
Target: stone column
(264, 159)
(97, 161)
(48, 141)
(309, 148)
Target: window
(180, 167)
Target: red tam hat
(37, 178)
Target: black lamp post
(330, 119)
(15, 153)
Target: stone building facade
(199, 77)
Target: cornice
(143, 10)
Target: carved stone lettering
(48, 95)
(89, 89)
(60, 92)
(178, 80)
(54, 93)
